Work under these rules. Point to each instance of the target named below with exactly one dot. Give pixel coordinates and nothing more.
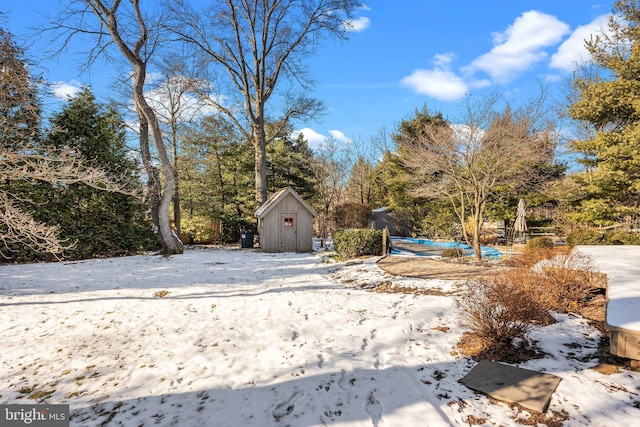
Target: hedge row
(592, 236)
(355, 242)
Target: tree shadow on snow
(371, 396)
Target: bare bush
(531, 256)
(498, 312)
(568, 280)
(501, 309)
(534, 285)
(453, 253)
(561, 277)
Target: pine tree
(289, 164)
(19, 104)
(607, 102)
(99, 223)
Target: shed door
(289, 232)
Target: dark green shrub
(453, 253)
(592, 236)
(587, 236)
(355, 242)
(622, 237)
(543, 242)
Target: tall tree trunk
(177, 209)
(478, 220)
(177, 212)
(153, 180)
(171, 244)
(477, 229)
(260, 144)
(109, 18)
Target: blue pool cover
(487, 252)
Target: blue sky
(405, 54)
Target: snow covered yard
(240, 338)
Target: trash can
(246, 239)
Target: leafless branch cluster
(250, 48)
(19, 226)
(485, 152)
(57, 167)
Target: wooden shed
(382, 218)
(285, 223)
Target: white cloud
(313, 138)
(340, 136)
(172, 93)
(65, 90)
(515, 50)
(442, 60)
(317, 140)
(520, 46)
(438, 83)
(573, 51)
(153, 76)
(357, 25)
(479, 83)
(466, 133)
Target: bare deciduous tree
(124, 25)
(363, 155)
(174, 98)
(259, 45)
(485, 152)
(330, 174)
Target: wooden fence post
(385, 232)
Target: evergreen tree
(216, 182)
(393, 178)
(289, 164)
(391, 182)
(99, 223)
(608, 103)
(19, 103)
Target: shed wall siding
(305, 230)
(270, 233)
(271, 226)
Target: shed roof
(376, 212)
(277, 197)
(383, 209)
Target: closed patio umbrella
(521, 222)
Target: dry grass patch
(161, 294)
(390, 288)
(553, 419)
